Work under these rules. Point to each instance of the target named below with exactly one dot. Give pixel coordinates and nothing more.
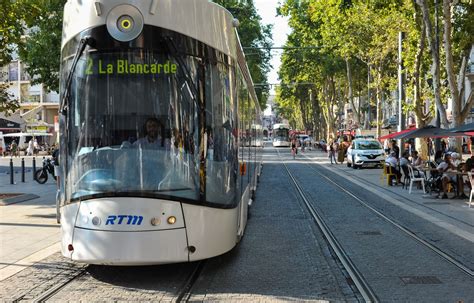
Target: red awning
(390, 136)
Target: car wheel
(348, 164)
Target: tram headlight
(96, 221)
(171, 220)
(155, 221)
(124, 22)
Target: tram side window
(244, 127)
(220, 120)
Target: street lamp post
(438, 116)
(401, 88)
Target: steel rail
(361, 284)
(55, 289)
(185, 293)
(430, 246)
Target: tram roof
(200, 19)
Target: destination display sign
(124, 67)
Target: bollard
(11, 172)
(23, 170)
(34, 169)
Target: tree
(42, 49)
(257, 40)
(11, 31)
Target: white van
(22, 139)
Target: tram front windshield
(133, 129)
(281, 134)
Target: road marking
(22, 264)
(449, 227)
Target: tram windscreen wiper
(80, 49)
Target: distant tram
(281, 135)
(156, 100)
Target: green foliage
(254, 34)
(8, 104)
(42, 50)
(12, 28)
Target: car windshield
(366, 145)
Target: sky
(267, 10)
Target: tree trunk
(450, 64)
(356, 112)
(379, 101)
(435, 55)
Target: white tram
(281, 135)
(156, 100)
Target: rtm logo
(131, 220)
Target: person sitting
(417, 164)
(443, 167)
(392, 161)
(455, 157)
(415, 159)
(469, 165)
(153, 138)
(404, 159)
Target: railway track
(358, 277)
(178, 291)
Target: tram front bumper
(129, 248)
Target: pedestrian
(331, 148)
(14, 149)
(386, 146)
(341, 152)
(35, 147)
(294, 148)
(29, 149)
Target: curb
(18, 199)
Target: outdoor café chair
(406, 176)
(472, 187)
(388, 173)
(415, 179)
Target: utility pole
(367, 120)
(401, 88)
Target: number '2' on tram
(157, 103)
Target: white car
(365, 152)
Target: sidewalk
(453, 215)
(28, 228)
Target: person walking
(332, 147)
(14, 149)
(294, 148)
(29, 150)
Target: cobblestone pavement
(396, 266)
(34, 280)
(282, 256)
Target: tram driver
(153, 138)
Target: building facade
(38, 107)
